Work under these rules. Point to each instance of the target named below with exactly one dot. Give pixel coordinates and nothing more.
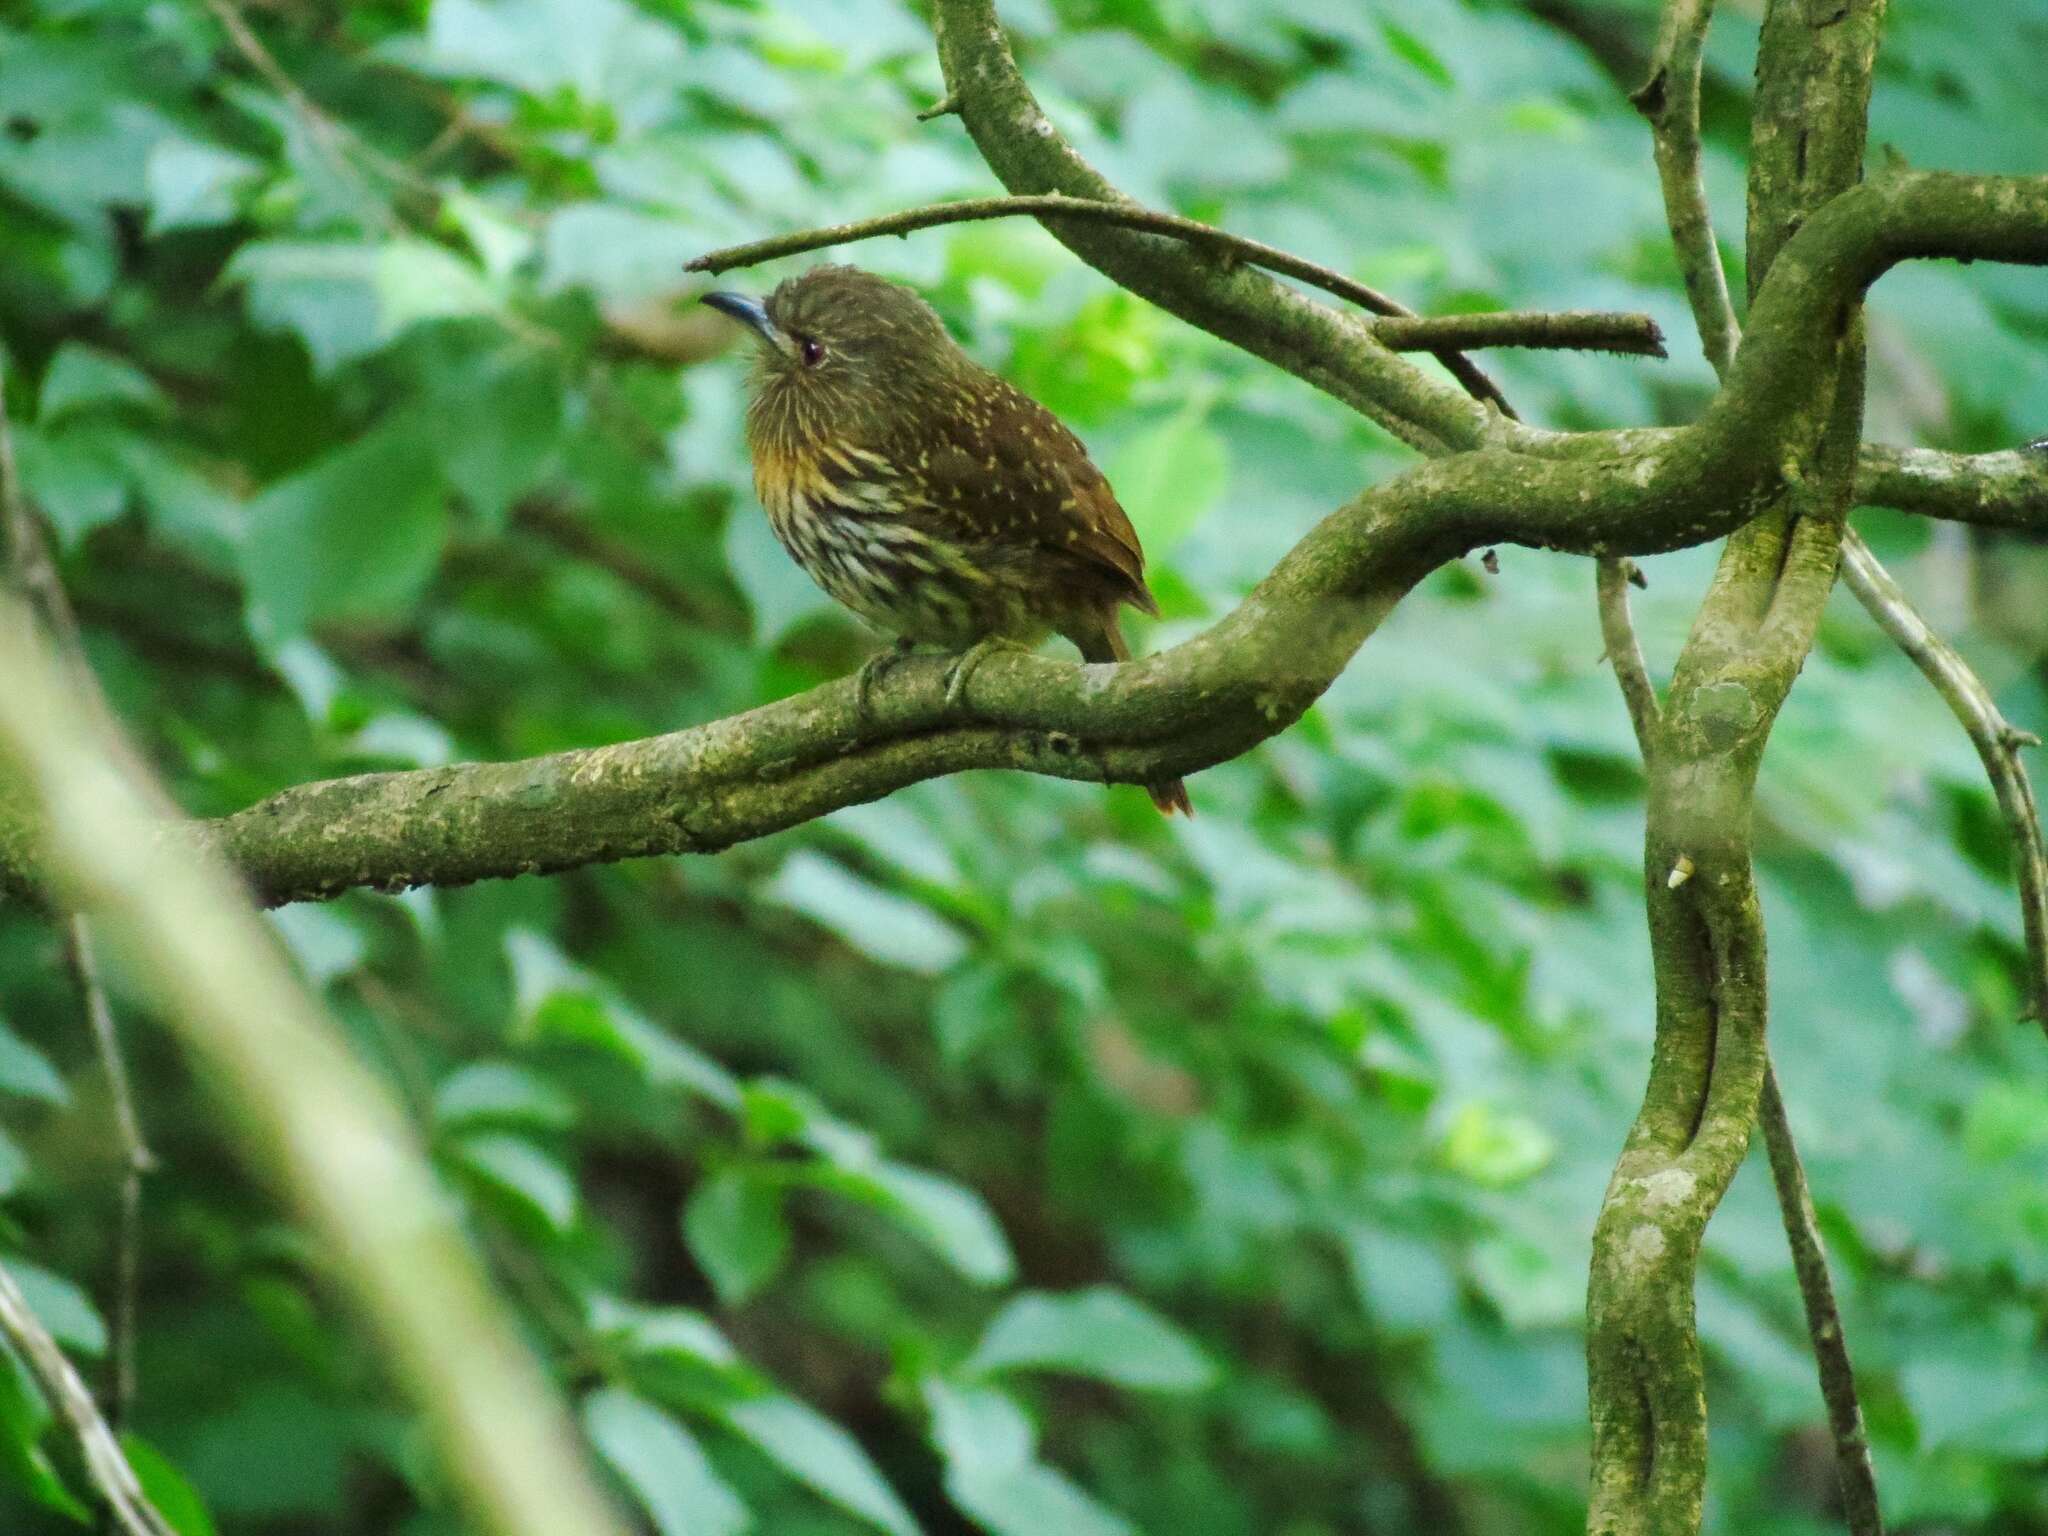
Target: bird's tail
(1104, 641)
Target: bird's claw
(870, 670)
(957, 675)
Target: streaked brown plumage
(931, 497)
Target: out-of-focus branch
(29, 572)
(308, 1117)
(1997, 742)
(113, 1481)
(1823, 1317)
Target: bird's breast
(863, 536)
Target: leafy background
(996, 1157)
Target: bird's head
(839, 351)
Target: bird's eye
(813, 351)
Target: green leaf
(1032, 1501)
(1495, 1148)
(192, 185)
(14, 1165)
(879, 923)
(1098, 1332)
(821, 1455)
(558, 1000)
(80, 377)
(658, 1332)
(326, 945)
(663, 1466)
(355, 536)
(617, 253)
(26, 1072)
(501, 1093)
(978, 1429)
(529, 1182)
(988, 1444)
(167, 1488)
(64, 1308)
(953, 1220)
(1169, 479)
(25, 1416)
(76, 476)
(501, 433)
(1993, 1404)
(736, 1232)
(345, 300)
(1407, 46)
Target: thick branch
(1751, 636)
(1204, 701)
(1998, 747)
(1992, 490)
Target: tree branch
(136, 1162)
(1823, 1318)
(1991, 490)
(1625, 651)
(1230, 251)
(1998, 747)
(1400, 329)
(1645, 1377)
(1670, 99)
(1211, 698)
(1558, 330)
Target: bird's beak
(750, 312)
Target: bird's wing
(996, 465)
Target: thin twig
(328, 136)
(1670, 99)
(136, 1161)
(1997, 742)
(1823, 1318)
(1625, 652)
(1058, 205)
(113, 1480)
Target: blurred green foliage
(996, 1157)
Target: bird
(927, 494)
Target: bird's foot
(957, 675)
(870, 670)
